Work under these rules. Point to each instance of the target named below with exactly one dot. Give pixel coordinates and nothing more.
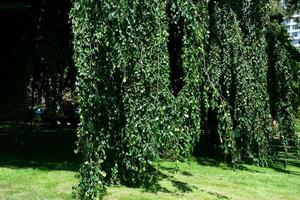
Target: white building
(293, 28)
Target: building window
(287, 21)
(295, 42)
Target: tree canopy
(155, 77)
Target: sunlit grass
(47, 175)
(196, 179)
(34, 184)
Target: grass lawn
(33, 184)
(197, 179)
(46, 169)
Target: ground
(41, 174)
(33, 184)
(197, 179)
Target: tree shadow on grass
(157, 175)
(215, 194)
(16, 162)
(279, 167)
(44, 151)
(153, 185)
(295, 163)
(175, 170)
(285, 171)
(182, 186)
(205, 161)
(215, 162)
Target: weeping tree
(111, 81)
(282, 79)
(253, 111)
(277, 32)
(152, 82)
(237, 97)
(131, 110)
(225, 61)
(250, 95)
(180, 114)
(291, 6)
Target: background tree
(291, 5)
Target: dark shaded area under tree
(36, 59)
(37, 71)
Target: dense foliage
(129, 115)
(291, 6)
(154, 77)
(283, 80)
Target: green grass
(45, 169)
(34, 184)
(196, 179)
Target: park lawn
(34, 184)
(51, 175)
(196, 179)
